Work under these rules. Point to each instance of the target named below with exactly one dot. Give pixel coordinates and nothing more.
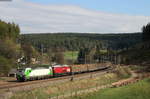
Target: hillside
(75, 41)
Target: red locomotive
(59, 70)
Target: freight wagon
(88, 67)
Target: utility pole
(72, 56)
(119, 59)
(42, 53)
(116, 57)
(102, 58)
(85, 58)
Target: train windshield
(20, 70)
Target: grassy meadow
(139, 90)
(71, 55)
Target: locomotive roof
(40, 67)
(60, 66)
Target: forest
(76, 41)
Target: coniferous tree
(146, 32)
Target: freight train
(43, 72)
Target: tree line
(77, 41)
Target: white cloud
(37, 18)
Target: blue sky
(132, 7)
(86, 16)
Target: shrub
(5, 66)
(122, 72)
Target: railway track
(16, 86)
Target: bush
(5, 66)
(9, 49)
(122, 72)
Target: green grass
(103, 51)
(71, 55)
(2, 78)
(139, 90)
(6, 78)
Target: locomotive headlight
(68, 69)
